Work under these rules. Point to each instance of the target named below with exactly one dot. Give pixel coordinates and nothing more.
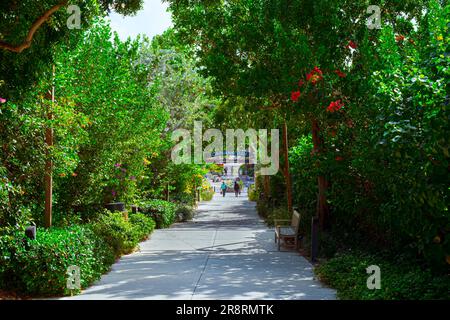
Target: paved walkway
(225, 253)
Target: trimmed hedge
(122, 235)
(163, 212)
(400, 280)
(142, 225)
(38, 267)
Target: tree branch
(34, 27)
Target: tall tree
(261, 49)
(29, 29)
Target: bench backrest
(295, 223)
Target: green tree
(383, 149)
(30, 29)
(186, 96)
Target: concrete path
(225, 253)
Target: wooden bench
(288, 231)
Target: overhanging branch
(34, 27)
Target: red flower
(338, 158)
(314, 76)
(301, 83)
(335, 106)
(340, 73)
(352, 45)
(399, 37)
(295, 95)
(317, 70)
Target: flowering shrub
(335, 106)
(295, 95)
(314, 76)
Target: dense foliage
(120, 234)
(366, 111)
(115, 106)
(110, 123)
(402, 280)
(19, 71)
(163, 212)
(39, 267)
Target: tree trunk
(266, 187)
(34, 28)
(287, 175)
(322, 206)
(48, 178)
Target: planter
(115, 206)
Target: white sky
(153, 19)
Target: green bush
(279, 213)
(263, 208)
(400, 280)
(163, 212)
(252, 193)
(39, 267)
(207, 195)
(142, 225)
(118, 233)
(184, 212)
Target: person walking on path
(237, 188)
(224, 187)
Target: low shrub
(39, 267)
(117, 232)
(252, 193)
(185, 197)
(184, 212)
(263, 208)
(279, 213)
(207, 195)
(142, 225)
(11, 243)
(400, 280)
(163, 212)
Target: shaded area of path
(226, 252)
